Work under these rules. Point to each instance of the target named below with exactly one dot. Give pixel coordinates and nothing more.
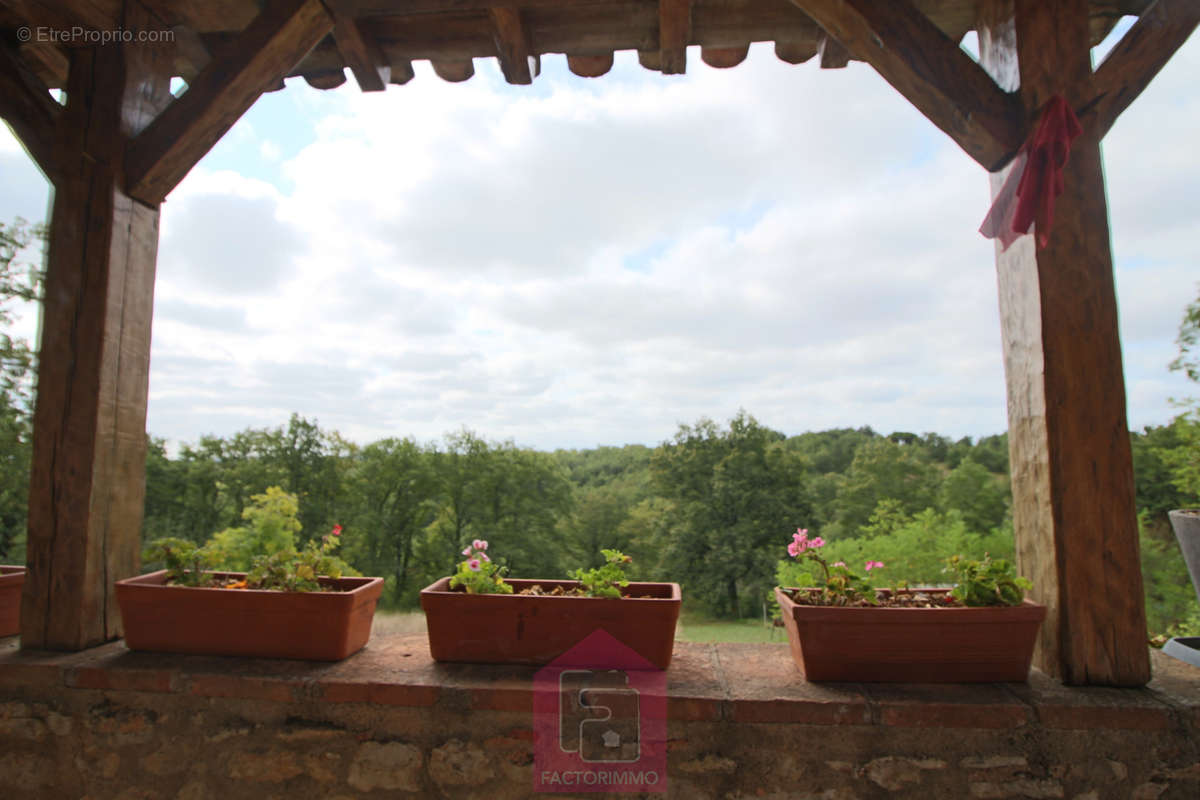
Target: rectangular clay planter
(912, 645)
(11, 581)
(536, 629)
(316, 626)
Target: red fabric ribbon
(1036, 180)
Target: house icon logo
(599, 720)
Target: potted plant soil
(289, 605)
(11, 580)
(982, 630)
(478, 615)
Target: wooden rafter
(517, 63)
(674, 31)
(191, 56)
(361, 52)
(930, 70)
(832, 54)
(1142, 52)
(26, 105)
(275, 42)
(64, 15)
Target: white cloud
(593, 262)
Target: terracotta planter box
(536, 629)
(317, 626)
(11, 581)
(912, 645)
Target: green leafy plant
(986, 582)
(185, 562)
(290, 571)
(264, 550)
(478, 574)
(608, 579)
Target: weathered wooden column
(115, 152)
(1072, 474)
(89, 447)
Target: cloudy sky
(592, 262)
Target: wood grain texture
(674, 33)
(519, 65)
(454, 71)
(724, 57)
(1072, 477)
(1140, 54)
(89, 447)
(361, 53)
(48, 61)
(275, 42)
(26, 105)
(795, 52)
(831, 53)
(930, 70)
(589, 66)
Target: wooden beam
(191, 56)
(1072, 477)
(26, 105)
(517, 63)
(1136, 59)
(674, 32)
(832, 54)
(930, 70)
(280, 36)
(48, 62)
(89, 440)
(63, 15)
(361, 52)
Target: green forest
(712, 508)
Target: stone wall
(390, 723)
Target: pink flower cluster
(800, 542)
(873, 565)
(476, 554)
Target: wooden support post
(89, 443)
(1072, 475)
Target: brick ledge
(731, 682)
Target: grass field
(691, 628)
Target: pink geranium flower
(337, 530)
(817, 542)
(873, 565)
(794, 549)
(466, 551)
(473, 564)
(479, 544)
